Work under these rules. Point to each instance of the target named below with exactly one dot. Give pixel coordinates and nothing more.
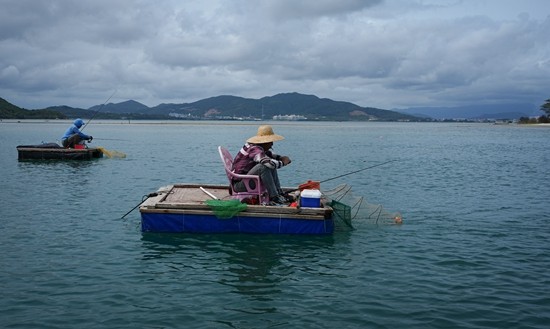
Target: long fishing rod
(96, 112)
(356, 171)
(145, 197)
(339, 176)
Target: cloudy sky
(380, 53)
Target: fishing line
(96, 112)
(111, 139)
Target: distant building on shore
(289, 117)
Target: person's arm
(82, 135)
(269, 160)
(283, 158)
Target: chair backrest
(252, 183)
(227, 160)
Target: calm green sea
(473, 251)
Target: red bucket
(79, 147)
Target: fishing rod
(145, 197)
(356, 171)
(96, 112)
(310, 183)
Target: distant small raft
(52, 151)
(183, 208)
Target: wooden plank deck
(190, 199)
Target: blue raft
(183, 208)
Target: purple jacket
(250, 155)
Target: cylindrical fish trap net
(349, 208)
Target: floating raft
(183, 208)
(52, 151)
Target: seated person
(74, 136)
(256, 158)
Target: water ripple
(472, 252)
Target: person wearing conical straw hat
(257, 158)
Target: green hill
(309, 106)
(10, 111)
(130, 106)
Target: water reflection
(250, 265)
(56, 164)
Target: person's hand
(286, 160)
(90, 139)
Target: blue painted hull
(193, 223)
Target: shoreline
(244, 122)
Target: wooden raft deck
(190, 199)
(38, 153)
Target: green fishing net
(342, 212)
(225, 209)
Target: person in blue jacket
(73, 135)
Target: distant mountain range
(308, 107)
(475, 112)
(291, 106)
(286, 105)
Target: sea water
(472, 252)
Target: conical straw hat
(265, 135)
